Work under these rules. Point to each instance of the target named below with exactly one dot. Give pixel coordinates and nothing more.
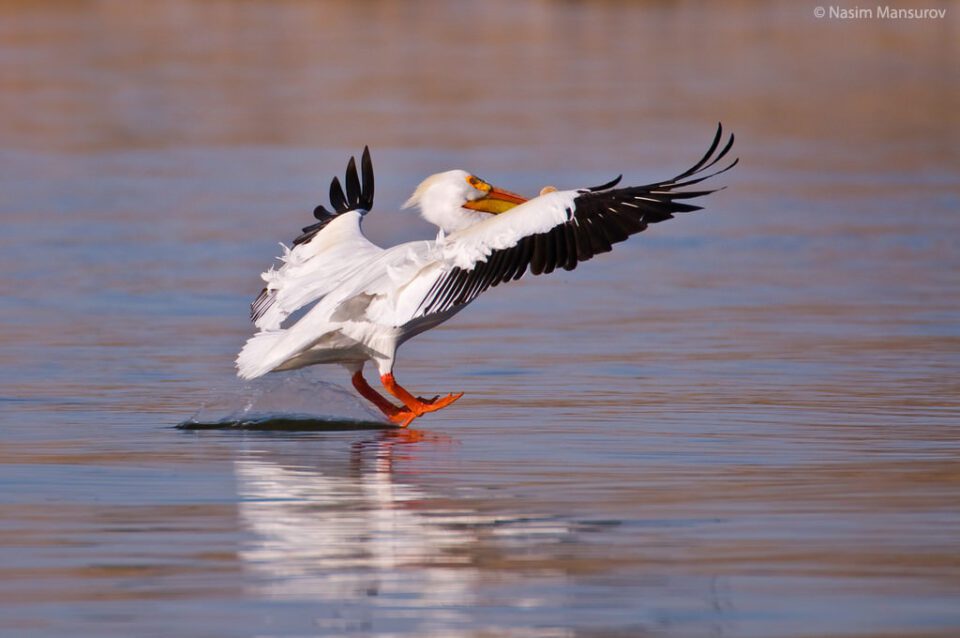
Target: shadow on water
(291, 402)
(282, 424)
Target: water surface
(743, 422)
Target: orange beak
(495, 201)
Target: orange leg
(399, 416)
(417, 405)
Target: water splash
(290, 401)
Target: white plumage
(315, 268)
(367, 301)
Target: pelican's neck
(453, 220)
(441, 197)
(443, 208)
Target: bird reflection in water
(343, 526)
(346, 530)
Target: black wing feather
(605, 187)
(601, 216)
(538, 262)
(366, 193)
(559, 239)
(353, 184)
(706, 156)
(570, 238)
(337, 198)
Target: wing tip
(367, 188)
(607, 186)
(709, 159)
(358, 194)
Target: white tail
(255, 360)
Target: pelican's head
(455, 200)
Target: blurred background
(743, 422)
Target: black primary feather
(337, 199)
(353, 184)
(603, 187)
(366, 168)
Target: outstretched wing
(325, 252)
(560, 230)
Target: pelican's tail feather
(258, 356)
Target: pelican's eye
(478, 183)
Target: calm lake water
(743, 422)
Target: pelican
(357, 302)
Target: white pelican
(367, 301)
